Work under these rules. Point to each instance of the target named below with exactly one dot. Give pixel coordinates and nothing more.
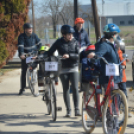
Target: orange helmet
(79, 20)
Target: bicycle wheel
(34, 83)
(53, 101)
(88, 113)
(48, 103)
(28, 78)
(117, 121)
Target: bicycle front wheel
(88, 113)
(53, 101)
(28, 79)
(115, 113)
(48, 103)
(34, 83)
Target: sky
(83, 2)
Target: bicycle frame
(98, 104)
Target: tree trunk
(54, 31)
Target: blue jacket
(89, 69)
(28, 44)
(81, 37)
(107, 50)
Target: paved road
(130, 53)
(27, 114)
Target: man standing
(27, 42)
(80, 34)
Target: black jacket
(64, 47)
(27, 44)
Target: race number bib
(51, 66)
(112, 70)
(29, 60)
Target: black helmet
(67, 29)
(27, 25)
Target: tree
(67, 12)
(86, 13)
(52, 8)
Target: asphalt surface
(28, 115)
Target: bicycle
(50, 70)
(31, 76)
(112, 110)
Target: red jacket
(124, 64)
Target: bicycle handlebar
(107, 61)
(30, 53)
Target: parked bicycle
(31, 75)
(112, 110)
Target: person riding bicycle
(68, 48)
(27, 42)
(89, 69)
(106, 48)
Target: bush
(13, 14)
(3, 52)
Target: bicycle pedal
(59, 108)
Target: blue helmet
(111, 28)
(65, 29)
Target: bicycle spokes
(115, 113)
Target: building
(120, 20)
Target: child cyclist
(88, 68)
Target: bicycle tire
(85, 126)
(123, 126)
(32, 85)
(27, 78)
(53, 101)
(48, 104)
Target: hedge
(13, 15)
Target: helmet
(67, 29)
(111, 28)
(90, 47)
(27, 25)
(79, 20)
(44, 48)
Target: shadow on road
(16, 94)
(23, 120)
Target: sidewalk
(27, 114)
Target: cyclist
(88, 68)
(67, 47)
(105, 48)
(80, 34)
(27, 42)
